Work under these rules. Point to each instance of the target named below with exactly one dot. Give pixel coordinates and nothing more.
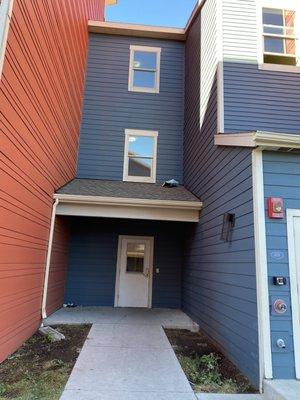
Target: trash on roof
(171, 183)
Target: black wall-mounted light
(227, 227)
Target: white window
(5, 14)
(140, 156)
(280, 30)
(144, 69)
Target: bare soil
(191, 346)
(40, 369)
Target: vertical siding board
(109, 108)
(282, 179)
(93, 260)
(219, 285)
(40, 95)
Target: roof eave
(130, 202)
(148, 31)
(259, 139)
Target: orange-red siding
(40, 98)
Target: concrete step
(212, 396)
(282, 390)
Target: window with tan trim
(140, 153)
(144, 69)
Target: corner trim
(294, 279)
(220, 67)
(261, 139)
(264, 329)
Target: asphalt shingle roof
(151, 191)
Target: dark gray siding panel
(219, 285)
(93, 259)
(109, 108)
(282, 179)
(260, 100)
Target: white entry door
(293, 224)
(134, 272)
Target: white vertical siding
(209, 58)
(240, 30)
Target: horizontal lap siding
(93, 260)
(219, 285)
(260, 100)
(281, 179)
(254, 99)
(109, 108)
(40, 96)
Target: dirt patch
(40, 369)
(207, 369)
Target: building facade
(186, 189)
(43, 50)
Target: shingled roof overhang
(115, 199)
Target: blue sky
(172, 13)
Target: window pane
(290, 46)
(283, 60)
(144, 59)
(274, 30)
(135, 257)
(273, 17)
(144, 79)
(274, 45)
(289, 18)
(141, 146)
(139, 167)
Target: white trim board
(295, 288)
(6, 9)
(264, 329)
(110, 207)
(263, 140)
(117, 284)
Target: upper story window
(144, 69)
(140, 156)
(5, 14)
(280, 41)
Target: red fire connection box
(275, 207)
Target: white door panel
(134, 272)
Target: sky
(172, 13)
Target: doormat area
(39, 370)
(206, 368)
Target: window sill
(143, 90)
(138, 179)
(280, 68)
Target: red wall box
(41, 94)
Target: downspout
(48, 260)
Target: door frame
(294, 284)
(118, 269)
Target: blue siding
(282, 179)
(219, 284)
(260, 100)
(93, 259)
(109, 108)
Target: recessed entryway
(134, 272)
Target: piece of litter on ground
(51, 333)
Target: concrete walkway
(127, 362)
(168, 318)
